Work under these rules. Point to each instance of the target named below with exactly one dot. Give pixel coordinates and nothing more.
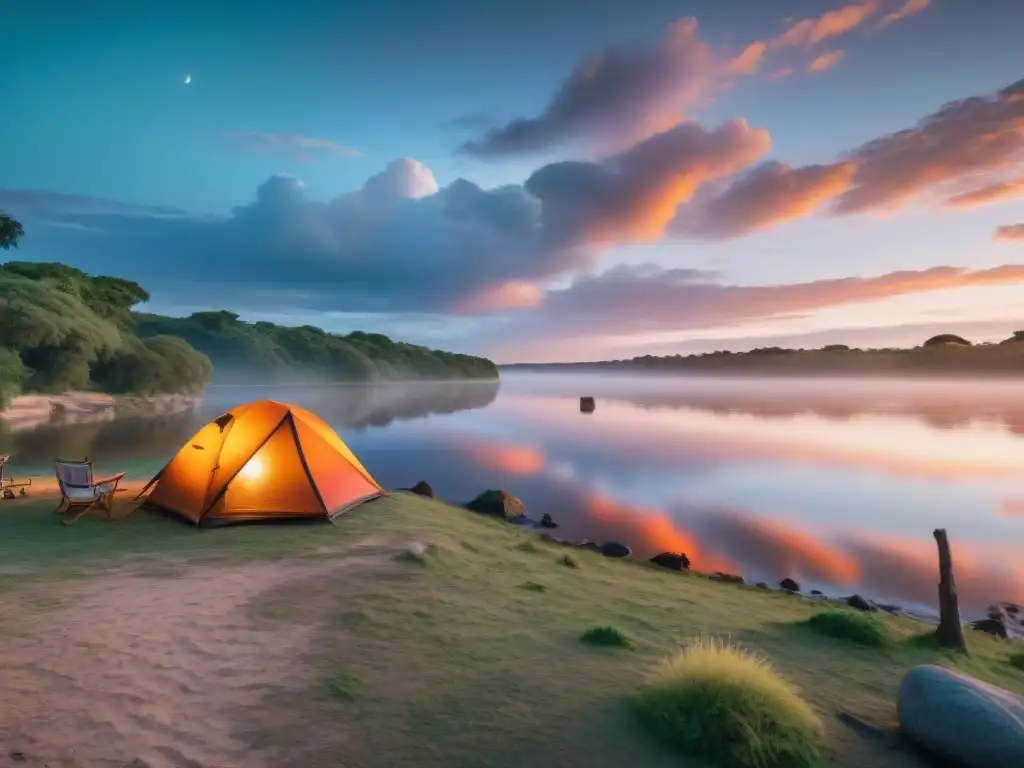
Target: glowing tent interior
(262, 461)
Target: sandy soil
(32, 411)
(129, 670)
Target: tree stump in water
(950, 631)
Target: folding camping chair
(81, 492)
(7, 484)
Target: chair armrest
(115, 479)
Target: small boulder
(762, 585)
(959, 719)
(547, 522)
(422, 488)
(498, 504)
(593, 546)
(858, 602)
(615, 549)
(789, 585)
(990, 626)
(672, 561)
(728, 578)
(816, 592)
(1008, 614)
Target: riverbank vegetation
(501, 676)
(62, 329)
(269, 353)
(945, 354)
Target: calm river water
(837, 484)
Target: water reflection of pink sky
(894, 560)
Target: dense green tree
(62, 329)
(11, 232)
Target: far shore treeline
(62, 329)
(944, 354)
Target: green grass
(728, 706)
(856, 627)
(343, 686)
(1017, 660)
(607, 636)
(460, 663)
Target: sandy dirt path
(141, 671)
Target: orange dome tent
(262, 461)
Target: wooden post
(950, 631)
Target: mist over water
(836, 483)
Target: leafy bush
(856, 627)
(608, 636)
(56, 335)
(11, 374)
(158, 365)
(728, 707)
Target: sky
(532, 181)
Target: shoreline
(31, 411)
(1005, 614)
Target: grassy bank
(464, 648)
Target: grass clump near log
(722, 704)
(866, 629)
(606, 636)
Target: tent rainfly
(262, 461)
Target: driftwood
(950, 631)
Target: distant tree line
(62, 329)
(268, 353)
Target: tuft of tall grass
(606, 635)
(568, 561)
(1017, 659)
(856, 627)
(729, 707)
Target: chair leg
(82, 509)
(62, 507)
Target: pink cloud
(910, 8)
(769, 194)
(963, 140)
(632, 197)
(811, 31)
(825, 61)
(992, 193)
(1010, 232)
(633, 299)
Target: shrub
(729, 707)
(606, 636)
(861, 628)
(11, 374)
(1017, 659)
(568, 561)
